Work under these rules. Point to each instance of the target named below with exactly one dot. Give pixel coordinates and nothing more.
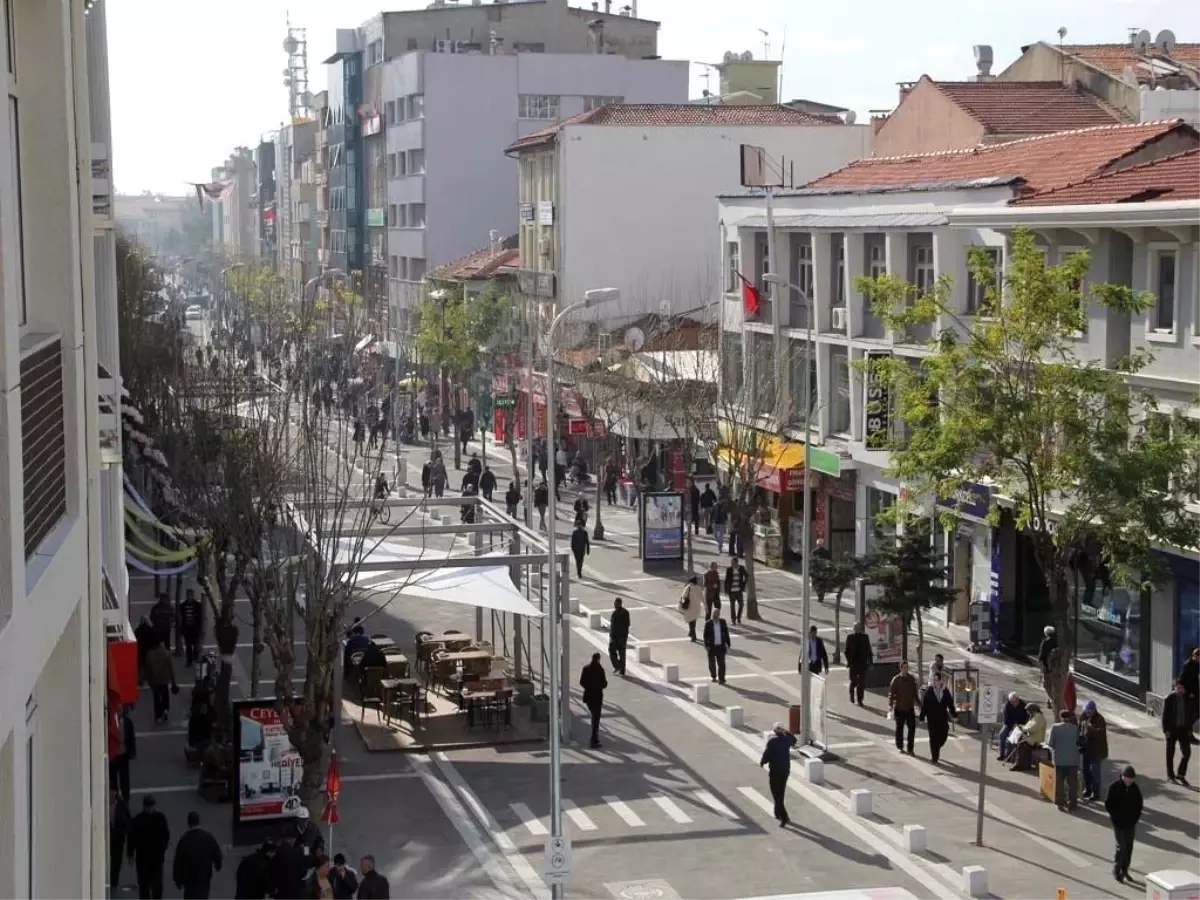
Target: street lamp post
(806, 525)
(559, 683)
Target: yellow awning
(776, 459)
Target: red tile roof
(1113, 58)
(1028, 107)
(1043, 162)
(479, 264)
(1170, 178)
(653, 114)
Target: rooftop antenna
(766, 42)
(1062, 61)
(295, 45)
(782, 51)
(707, 76)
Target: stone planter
(540, 711)
(523, 691)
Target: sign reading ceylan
(972, 499)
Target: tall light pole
(560, 685)
(806, 526)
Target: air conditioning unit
(839, 318)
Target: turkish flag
(751, 299)
(333, 787)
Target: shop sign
(577, 427)
(970, 499)
(878, 402)
(268, 768)
(792, 479)
(505, 401)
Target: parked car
(195, 311)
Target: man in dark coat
(253, 880)
(618, 636)
(118, 765)
(162, 617)
(694, 506)
(1124, 805)
(487, 484)
(191, 621)
(815, 654)
(736, 579)
(716, 642)
(288, 869)
(118, 836)
(1177, 726)
(859, 657)
(197, 856)
(372, 885)
(777, 757)
(594, 682)
(581, 546)
(149, 837)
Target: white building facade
(625, 197)
(57, 330)
(449, 118)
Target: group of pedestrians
(144, 840)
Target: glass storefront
(877, 502)
(1109, 621)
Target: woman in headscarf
(937, 709)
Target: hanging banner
(136, 563)
(662, 526)
(268, 768)
(877, 408)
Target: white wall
(638, 205)
(1158, 105)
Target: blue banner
(662, 526)
(971, 499)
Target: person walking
(253, 880)
(610, 483)
(1178, 730)
(342, 877)
(197, 856)
(118, 763)
(720, 518)
(594, 682)
(319, 885)
(1063, 742)
(541, 499)
(1190, 676)
(859, 657)
(487, 483)
(618, 636)
(360, 435)
(1093, 741)
(777, 757)
(708, 499)
(162, 617)
(149, 837)
(191, 621)
(160, 674)
(716, 642)
(736, 579)
(694, 505)
(712, 589)
(582, 508)
(581, 546)
(438, 477)
(1046, 656)
(902, 704)
(937, 709)
(815, 653)
(1123, 802)
(118, 837)
(427, 477)
(690, 602)
(372, 885)
(512, 498)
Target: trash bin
(1172, 884)
(794, 718)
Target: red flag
(333, 787)
(751, 298)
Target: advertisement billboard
(662, 526)
(887, 636)
(268, 768)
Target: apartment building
(302, 196)
(915, 217)
(624, 196)
(154, 221)
(58, 329)
(236, 215)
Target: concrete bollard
(975, 881)
(643, 653)
(860, 802)
(671, 673)
(595, 621)
(700, 693)
(734, 716)
(914, 838)
(814, 771)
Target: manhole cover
(650, 889)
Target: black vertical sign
(877, 408)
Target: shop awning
(779, 464)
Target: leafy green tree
(1007, 399)
(912, 577)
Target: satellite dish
(635, 339)
(728, 57)
(747, 55)
(849, 117)
(1141, 41)
(1165, 42)
(290, 45)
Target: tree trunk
(454, 425)
(227, 638)
(598, 531)
(837, 627)
(747, 535)
(687, 533)
(256, 604)
(920, 645)
(907, 620)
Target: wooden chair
(370, 692)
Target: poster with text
(269, 769)
(887, 636)
(662, 526)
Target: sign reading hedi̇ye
(971, 499)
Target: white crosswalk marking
(710, 800)
(671, 808)
(581, 819)
(529, 820)
(628, 816)
(758, 800)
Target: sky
(192, 79)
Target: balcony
(376, 218)
(43, 438)
(109, 389)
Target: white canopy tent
(485, 587)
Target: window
(839, 412)
(804, 272)
(799, 412)
(733, 252)
(922, 269)
(14, 151)
(1163, 285)
(538, 106)
(389, 113)
(393, 266)
(375, 52)
(879, 532)
(590, 103)
(841, 274)
(416, 106)
(977, 291)
(416, 162)
(878, 260)
(391, 219)
(1162, 426)
(416, 269)
(416, 215)
(732, 374)
(399, 111)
